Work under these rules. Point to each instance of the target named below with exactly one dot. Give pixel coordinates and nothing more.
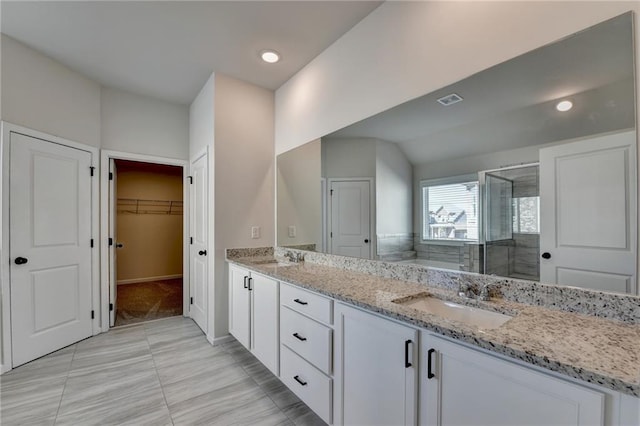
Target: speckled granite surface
(589, 302)
(596, 350)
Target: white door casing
(105, 289)
(113, 254)
(350, 218)
(588, 213)
(50, 215)
(199, 248)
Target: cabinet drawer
(309, 339)
(308, 303)
(308, 383)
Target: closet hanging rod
(146, 206)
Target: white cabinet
(375, 370)
(463, 386)
(239, 305)
(253, 314)
(307, 343)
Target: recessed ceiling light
(270, 56)
(563, 106)
(451, 99)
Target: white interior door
(198, 253)
(113, 254)
(588, 213)
(50, 240)
(350, 218)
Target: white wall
(403, 50)
(201, 118)
(244, 177)
(201, 139)
(299, 195)
(348, 158)
(42, 94)
(394, 196)
(143, 125)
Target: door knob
(119, 245)
(546, 255)
(366, 240)
(21, 260)
(202, 252)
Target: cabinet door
(470, 387)
(375, 370)
(264, 340)
(239, 305)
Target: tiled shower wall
(392, 247)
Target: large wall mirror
(524, 170)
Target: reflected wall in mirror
(487, 175)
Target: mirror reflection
(524, 170)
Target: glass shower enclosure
(511, 222)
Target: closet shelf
(140, 206)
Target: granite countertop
(596, 350)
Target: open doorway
(147, 241)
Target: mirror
(494, 174)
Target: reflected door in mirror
(588, 213)
(350, 218)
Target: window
(526, 215)
(450, 210)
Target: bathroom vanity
(365, 342)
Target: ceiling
(168, 49)
(512, 105)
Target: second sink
(475, 317)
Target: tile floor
(156, 373)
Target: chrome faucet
(294, 257)
(484, 293)
(465, 290)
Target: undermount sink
(475, 317)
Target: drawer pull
(297, 379)
(300, 302)
(407, 364)
(299, 337)
(430, 374)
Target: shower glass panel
(498, 208)
(512, 222)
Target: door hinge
(331, 192)
(110, 176)
(92, 243)
(93, 314)
(110, 307)
(190, 240)
(110, 242)
(91, 169)
(331, 235)
(190, 180)
(191, 300)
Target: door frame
(6, 129)
(373, 237)
(105, 261)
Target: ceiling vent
(450, 99)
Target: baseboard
(219, 340)
(4, 368)
(148, 279)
